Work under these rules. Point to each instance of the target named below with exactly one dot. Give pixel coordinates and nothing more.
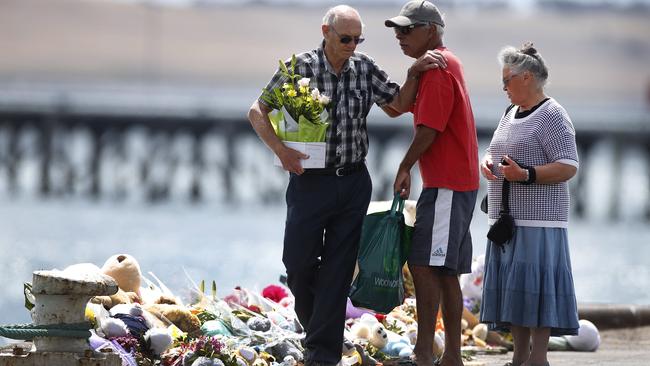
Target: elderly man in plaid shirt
(326, 207)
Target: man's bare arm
(259, 119)
(424, 137)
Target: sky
(519, 4)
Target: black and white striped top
(545, 136)
(360, 84)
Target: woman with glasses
(528, 284)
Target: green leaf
(283, 67)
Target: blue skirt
(530, 283)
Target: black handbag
(504, 228)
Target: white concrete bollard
(61, 298)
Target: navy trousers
(321, 244)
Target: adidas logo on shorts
(438, 253)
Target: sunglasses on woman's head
(347, 39)
(407, 29)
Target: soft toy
(378, 336)
(397, 345)
(412, 333)
(360, 331)
(178, 315)
(401, 315)
(350, 356)
(205, 361)
(159, 340)
(258, 323)
(112, 327)
(267, 357)
(471, 284)
(125, 270)
(285, 348)
(353, 312)
(366, 359)
(248, 354)
(260, 362)
(587, 340)
(395, 324)
(289, 361)
(120, 297)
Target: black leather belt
(341, 171)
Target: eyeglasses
(345, 39)
(506, 81)
(406, 30)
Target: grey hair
(439, 29)
(525, 59)
(333, 13)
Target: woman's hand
(512, 171)
(486, 168)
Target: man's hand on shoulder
(432, 59)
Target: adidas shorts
(441, 237)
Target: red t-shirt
(443, 104)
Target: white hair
(332, 15)
(439, 29)
(525, 59)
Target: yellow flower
(292, 93)
(304, 89)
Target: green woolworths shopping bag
(384, 247)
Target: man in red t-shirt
(445, 146)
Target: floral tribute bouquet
(299, 113)
(205, 350)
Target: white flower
(303, 82)
(315, 94)
(324, 99)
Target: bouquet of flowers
(201, 349)
(299, 113)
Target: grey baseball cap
(414, 12)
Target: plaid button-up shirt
(360, 84)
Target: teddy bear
(161, 309)
(176, 314)
(125, 270)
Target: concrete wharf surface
(620, 347)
